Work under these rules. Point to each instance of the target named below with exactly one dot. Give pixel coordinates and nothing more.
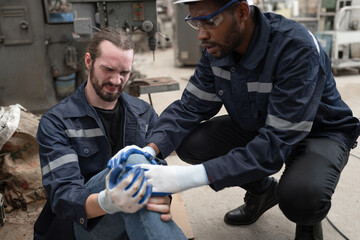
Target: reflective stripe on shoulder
(59, 162)
(259, 87)
(201, 94)
(282, 124)
(219, 72)
(315, 41)
(87, 133)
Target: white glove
(127, 193)
(122, 155)
(173, 179)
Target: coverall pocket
(86, 148)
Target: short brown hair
(115, 35)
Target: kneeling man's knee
(303, 204)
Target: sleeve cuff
(81, 218)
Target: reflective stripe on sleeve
(87, 133)
(259, 87)
(316, 43)
(201, 94)
(304, 126)
(219, 72)
(59, 162)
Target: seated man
(76, 139)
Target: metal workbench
(152, 85)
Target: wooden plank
(180, 216)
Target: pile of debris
(20, 171)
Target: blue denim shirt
(282, 87)
(73, 147)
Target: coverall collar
(78, 106)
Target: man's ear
(88, 61)
(242, 11)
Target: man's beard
(232, 39)
(108, 97)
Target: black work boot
(255, 205)
(304, 232)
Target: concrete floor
(206, 208)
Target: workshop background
(42, 44)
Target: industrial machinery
(187, 46)
(42, 44)
(339, 32)
(38, 55)
(129, 15)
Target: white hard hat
(186, 1)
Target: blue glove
(127, 192)
(122, 156)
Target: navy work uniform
(73, 147)
(281, 100)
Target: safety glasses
(210, 21)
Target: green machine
(42, 44)
(90, 15)
(38, 54)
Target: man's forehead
(116, 59)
